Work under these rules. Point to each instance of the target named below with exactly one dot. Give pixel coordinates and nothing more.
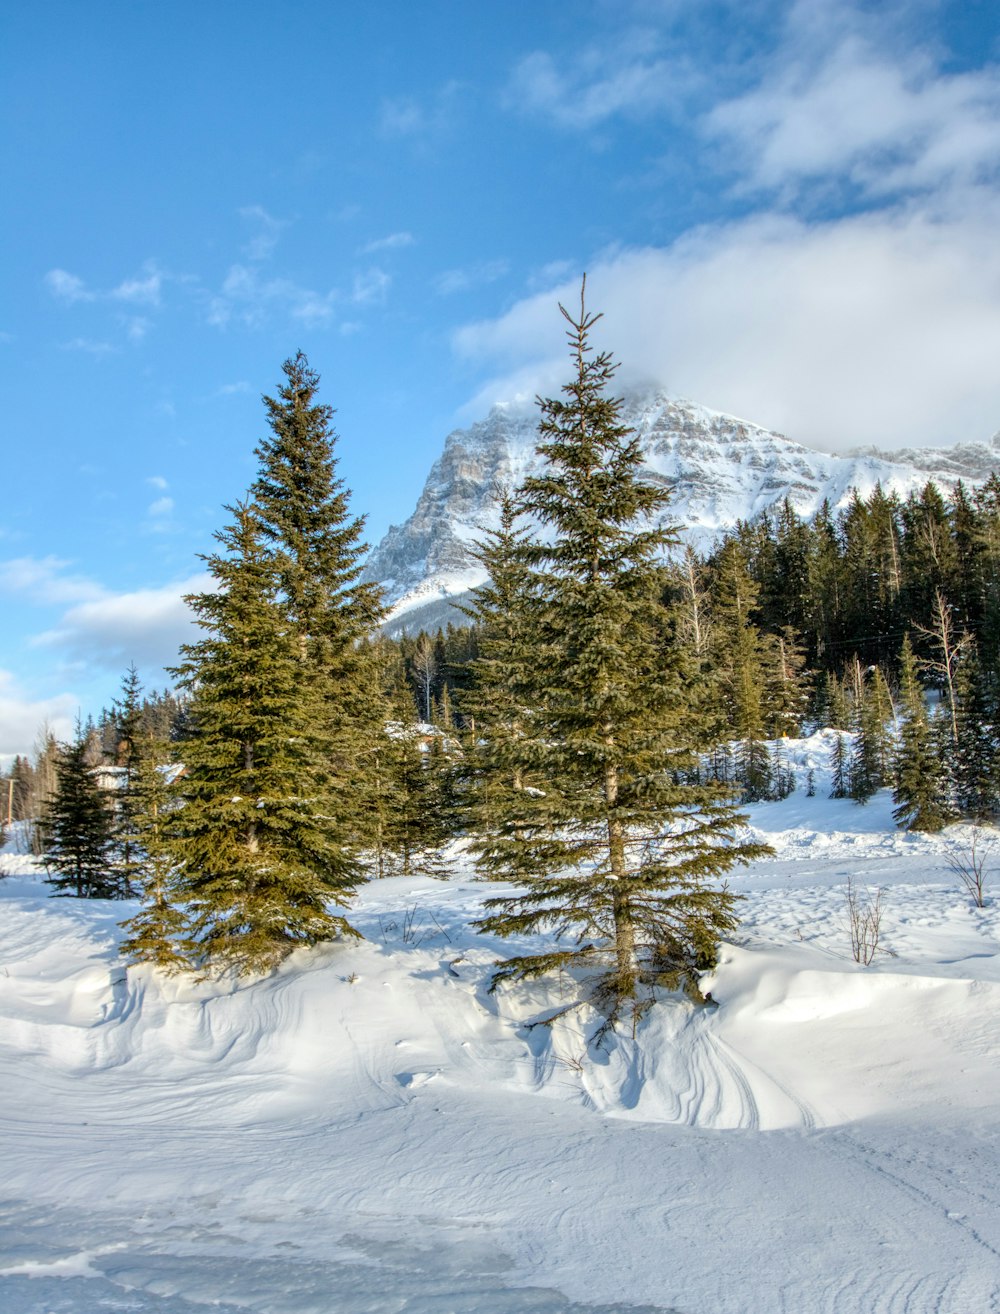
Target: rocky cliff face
(718, 469)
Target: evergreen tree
(976, 760)
(78, 827)
(21, 776)
(613, 845)
(158, 933)
(43, 783)
(840, 766)
(127, 722)
(257, 850)
(783, 700)
(919, 793)
(304, 514)
(868, 766)
(691, 635)
(412, 825)
(739, 660)
(930, 560)
(826, 592)
(497, 705)
(839, 705)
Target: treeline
(30, 781)
(882, 621)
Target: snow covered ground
(369, 1131)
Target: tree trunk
(621, 906)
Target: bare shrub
(968, 862)
(864, 922)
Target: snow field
(370, 1130)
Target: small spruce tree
(78, 827)
(158, 933)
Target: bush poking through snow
(968, 862)
(864, 921)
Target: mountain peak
(719, 469)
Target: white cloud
(881, 328)
(269, 229)
(158, 481)
(393, 242)
(420, 120)
(44, 580)
(161, 507)
(144, 290)
(402, 116)
(630, 77)
(313, 308)
(371, 286)
(136, 327)
(247, 298)
(146, 626)
(67, 287)
(462, 280)
(92, 346)
(857, 112)
(22, 716)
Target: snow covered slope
(369, 1131)
(718, 469)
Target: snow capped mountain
(719, 469)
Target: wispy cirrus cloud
(421, 119)
(392, 242)
(246, 298)
(141, 289)
(847, 106)
(630, 77)
(92, 346)
(465, 279)
(371, 286)
(267, 230)
(67, 287)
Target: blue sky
(786, 210)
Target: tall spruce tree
(257, 845)
(976, 760)
(78, 827)
(740, 662)
(920, 792)
(304, 514)
(613, 846)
